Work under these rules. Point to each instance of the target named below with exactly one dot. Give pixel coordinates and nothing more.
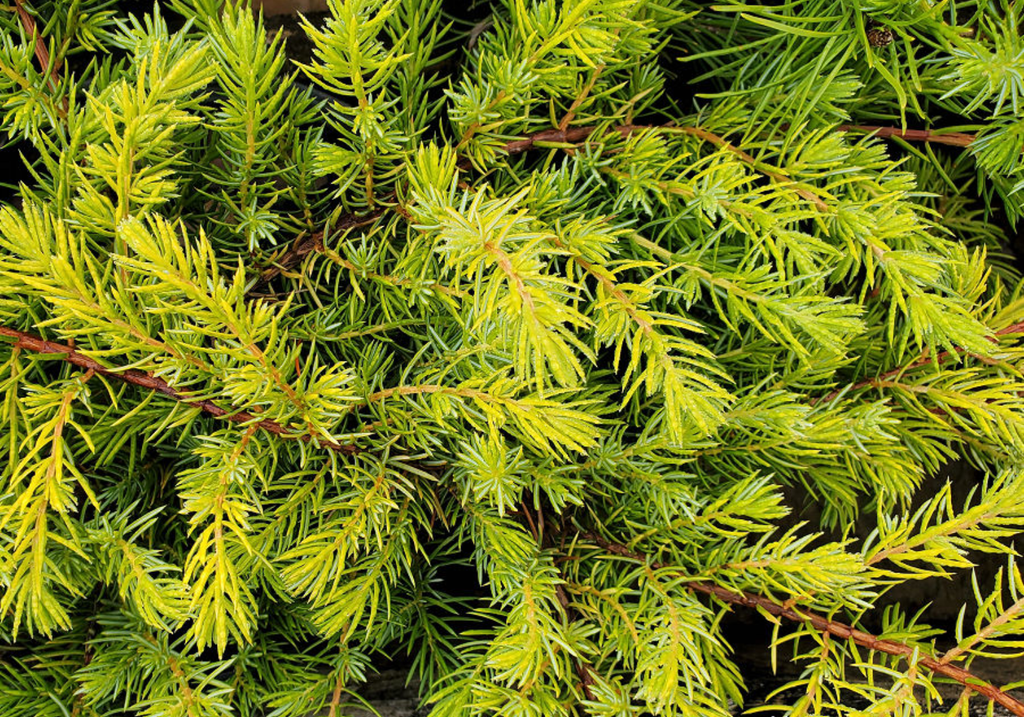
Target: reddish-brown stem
(187, 696)
(829, 627)
(314, 242)
(144, 380)
(571, 114)
(954, 139)
(42, 54)
(922, 360)
(336, 695)
(583, 669)
(573, 135)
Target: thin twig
(42, 53)
(954, 139)
(142, 379)
(963, 648)
(573, 135)
(339, 684)
(830, 627)
(583, 668)
(922, 360)
(315, 242)
(571, 114)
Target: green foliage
(291, 354)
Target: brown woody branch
(42, 54)
(922, 360)
(574, 135)
(339, 685)
(830, 627)
(584, 670)
(147, 381)
(954, 139)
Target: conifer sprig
(569, 358)
(577, 137)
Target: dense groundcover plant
(503, 339)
